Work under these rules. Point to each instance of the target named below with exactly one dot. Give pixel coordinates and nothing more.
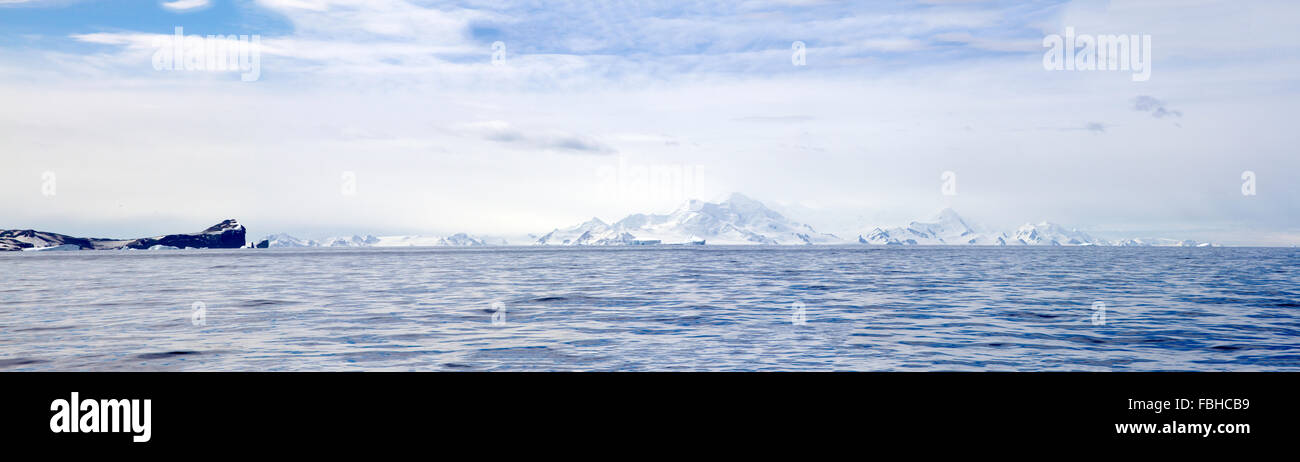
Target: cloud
(185, 5)
(575, 45)
(1154, 106)
(36, 3)
(900, 44)
(776, 119)
(651, 139)
(502, 132)
(860, 128)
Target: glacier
(368, 240)
(949, 228)
(741, 220)
(738, 220)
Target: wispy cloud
(186, 5)
(614, 43)
(558, 141)
(1155, 107)
(775, 118)
(892, 92)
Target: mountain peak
(736, 197)
(738, 219)
(947, 214)
(225, 225)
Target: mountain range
(228, 234)
(948, 228)
(740, 220)
(459, 239)
(737, 220)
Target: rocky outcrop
(19, 239)
(228, 234)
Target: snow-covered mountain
(735, 221)
(948, 228)
(591, 232)
(1047, 233)
(1162, 242)
(285, 240)
(945, 228)
(354, 241)
(459, 239)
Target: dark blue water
(690, 308)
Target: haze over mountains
(949, 228)
(738, 220)
(459, 239)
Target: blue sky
(659, 38)
(45, 24)
(441, 139)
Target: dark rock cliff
(228, 234)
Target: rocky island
(228, 234)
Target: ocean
(653, 308)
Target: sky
(506, 118)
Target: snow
(354, 241)
(949, 228)
(285, 240)
(226, 225)
(35, 238)
(739, 220)
(62, 247)
(945, 228)
(1047, 233)
(458, 239)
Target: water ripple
(697, 308)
